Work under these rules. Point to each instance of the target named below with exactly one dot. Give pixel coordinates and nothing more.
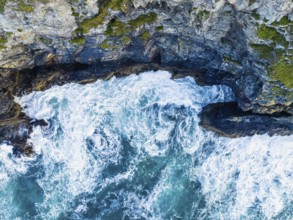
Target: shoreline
(225, 119)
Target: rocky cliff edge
(245, 44)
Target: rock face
(245, 44)
(229, 121)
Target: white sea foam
(99, 113)
(10, 165)
(10, 168)
(248, 171)
(156, 115)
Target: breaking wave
(131, 148)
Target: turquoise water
(131, 148)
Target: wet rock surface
(226, 119)
(244, 44)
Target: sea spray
(131, 148)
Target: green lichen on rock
(146, 35)
(117, 28)
(281, 65)
(46, 40)
(43, 39)
(125, 40)
(106, 46)
(265, 51)
(75, 14)
(23, 6)
(78, 31)
(143, 19)
(27, 6)
(122, 31)
(269, 33)
(203, 15)
(277, 91)
(118, 5)
(3, 41)
(255, 15)
(86, 25)
(2, 5)
(77, 40)
(283, 21)
(159, 28)
(282, 71)
(8, 34)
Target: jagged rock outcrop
(245, 44)
(226, 119)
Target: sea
(132, 148)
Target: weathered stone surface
(14, 130)
(244, 44)
(226, 119)
(251, 40)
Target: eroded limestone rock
(245, 44)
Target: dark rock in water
(226, 119)
(15, 126)
(15, 131)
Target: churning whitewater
(131, 148)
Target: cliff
(245, 44)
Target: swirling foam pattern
(131, 148)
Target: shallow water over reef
(131, 148)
